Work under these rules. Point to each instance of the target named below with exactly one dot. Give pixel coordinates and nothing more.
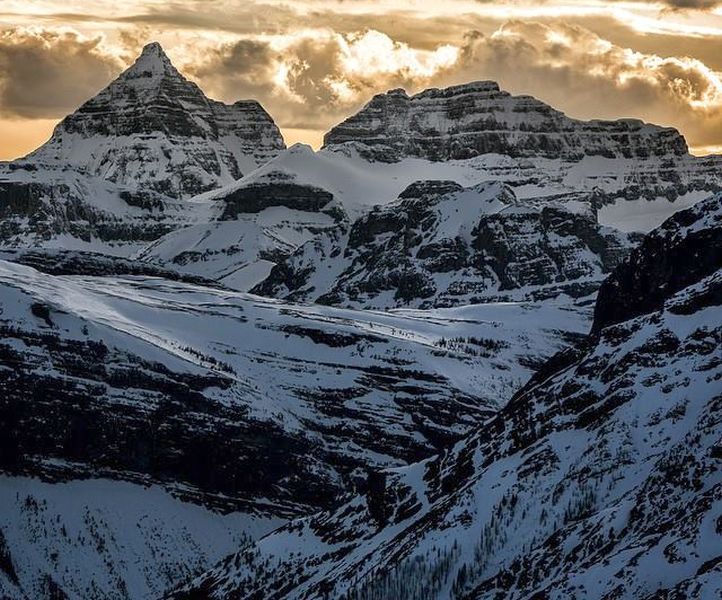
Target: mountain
(118, 173)
(414, 433)
(252, 226)
(599, 479)
(223, 403)
(626, 174)
(440, 244)
(105, 538)
(478, 118)
(637, 174)
(151, 128)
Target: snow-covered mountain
(252, 226)
(600, 479)
(227, 403)
(477, 118)
(632, 176)
(637, 171)
(151, 128)
(154, 417)
(104, 538)
(117, 173)
(440, 244)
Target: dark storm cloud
(243, 69)
(47, 74)
(692, 4)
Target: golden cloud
(587, 76)
(309, 79)
(47, 73)
(314, 78)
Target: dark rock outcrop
(260, 196)
(685, 249)
(440, 244)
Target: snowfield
(106, 538)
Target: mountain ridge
(477, 118)
(440, 244)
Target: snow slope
(102, 538)
(222, 403)
(251, 226)
(600, 478)
(314, 394)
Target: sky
(311, 63)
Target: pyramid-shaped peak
(153, 48)
(152, 127)
(152, 62)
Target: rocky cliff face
(153, 129)
(599, 479)
(145, 375)
(685, 249)
(478, 118)
(58, 208)
(443, 245)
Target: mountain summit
(152, 127)
(476, 118)
(152, 63)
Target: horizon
(291, 136)
(313, 63)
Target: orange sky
(311, 63)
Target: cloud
(312, 79)
(587, 76)
(692, 4)
(47, 73)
